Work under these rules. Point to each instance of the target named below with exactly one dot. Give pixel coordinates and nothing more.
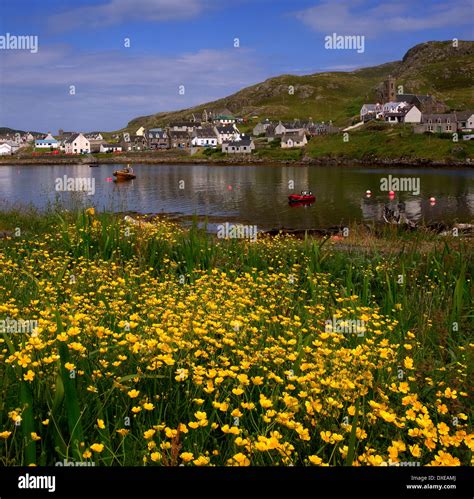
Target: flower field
(158, 345)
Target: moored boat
(125, 174)
(304, 197)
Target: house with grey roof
(261, 128)
(184, 126)
(465, 120)
(179, 139)
(293, 139)
(244, 145)
(437, 123)
(204, 137)
(370, 111)
(226, 133)
(157, 138)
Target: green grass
(378, 140)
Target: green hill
(11, 131)
(435, 68)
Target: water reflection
(251, 194)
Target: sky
(101, 63)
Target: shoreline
(240, 161)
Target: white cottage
(465, 120)
(290, 140)
(77, 144)
(48, 142)
(226, 133)
(413, 115)
(205, 137)
(8, 148)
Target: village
(220, 130)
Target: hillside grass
(379, 140)
(432, 68)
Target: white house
(224, 119)
(413, 115)
(204, 137)
(77, 144)
(226, 133)
(8, 148)
(94, 136)
(284, 128)
(394, 107)
(369, 111)
(245, 145)
(261, 128)
(465, 120)
(48, 142)
(110, 148)
(140, 131)
(290, 140)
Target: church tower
(389, 90)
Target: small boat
(125, 174)
(304, 197)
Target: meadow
(160, 345)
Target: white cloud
(351, 17)
(114, 87)
(118, 11)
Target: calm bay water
(248, 194)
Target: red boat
(304, 197)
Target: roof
(179, 134)
(45, 141)
(292, 136)
(157, 134)
(224, 117)
(226, 129)
(72, 138)
(204, 132)
(434, 117)
(372, 106)
(239, 143)
(464, 115)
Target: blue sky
(190, 43)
